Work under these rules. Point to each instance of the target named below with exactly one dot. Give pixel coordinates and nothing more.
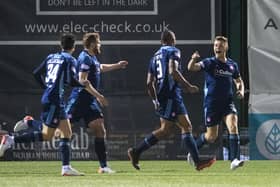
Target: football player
(221, 73)
(83, 105)
(165, 83)
(53, 74)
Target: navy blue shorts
(214, 113)
(52, 114)
(78, 109)
(170, 109)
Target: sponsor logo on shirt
(223, 73)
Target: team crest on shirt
(69, 116)
(173, 114)
(208, 119)
(55, 120)
(231, 67)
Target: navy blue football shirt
(56, 71)
(219, 79)
(166, 87)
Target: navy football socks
(234, 146)
(64, 146)
(148, 142)
(100, 150)
(35, 136)
(191, 146)
(200, 141)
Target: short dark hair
(89, 38)
(167, 37)
(67, 41)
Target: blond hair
(221, 38)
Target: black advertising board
(129, 29)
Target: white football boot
(69, 171)
(105, 170)
(236, 164)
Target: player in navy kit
(221, 73)
(164, 82)
(53, 74)
(84, 106)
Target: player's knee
(164, 131)
(160, 133)
(165, 134)
(47, 136)
(100, 132)
(210, 138)
(233, 129)
(65, 133)
(187, 128)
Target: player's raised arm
(177, 76)
(110, 67)
(193, 65)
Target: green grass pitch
(153, 173)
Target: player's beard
(97, 51)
